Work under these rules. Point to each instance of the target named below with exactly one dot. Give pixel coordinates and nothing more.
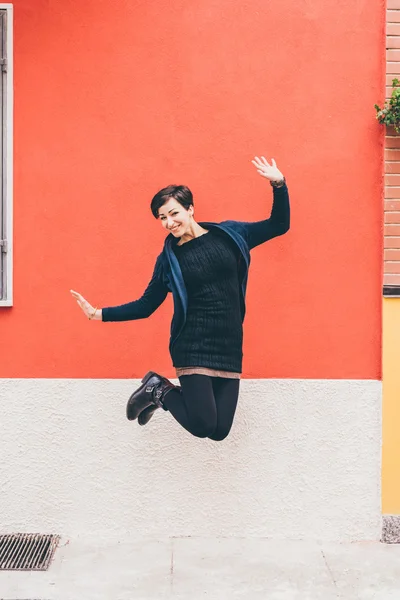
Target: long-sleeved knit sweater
(212, 335)
(167, 274)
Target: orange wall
(115, 100)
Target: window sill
(391, 291)
(6, 303)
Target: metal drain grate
(27, 551)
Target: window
(6, 105)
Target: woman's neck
(195, 230)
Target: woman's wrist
(96, 315)
(277, 183)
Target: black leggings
(204, 405)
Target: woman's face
(175, 218)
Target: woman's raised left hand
(269, 171)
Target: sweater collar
(171, 240)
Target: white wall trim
(9, 152)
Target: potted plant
(390, 113)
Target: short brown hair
(180, 193)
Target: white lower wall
(302, 462)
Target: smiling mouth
(175, 228)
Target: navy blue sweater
(167, 275)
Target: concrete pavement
(215, 569)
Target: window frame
(8, 153)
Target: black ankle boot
(146, 415)
(149, 395)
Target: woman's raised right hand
(90, 312)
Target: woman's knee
(219, 434)
(204, 429)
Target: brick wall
(392, 157)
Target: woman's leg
(194, 406)
(226, 393)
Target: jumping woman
(205, 266)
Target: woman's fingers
(79, 298)
(262, 163)
(264, 160)
(76, 295)
(83, 304)
(264, 168)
